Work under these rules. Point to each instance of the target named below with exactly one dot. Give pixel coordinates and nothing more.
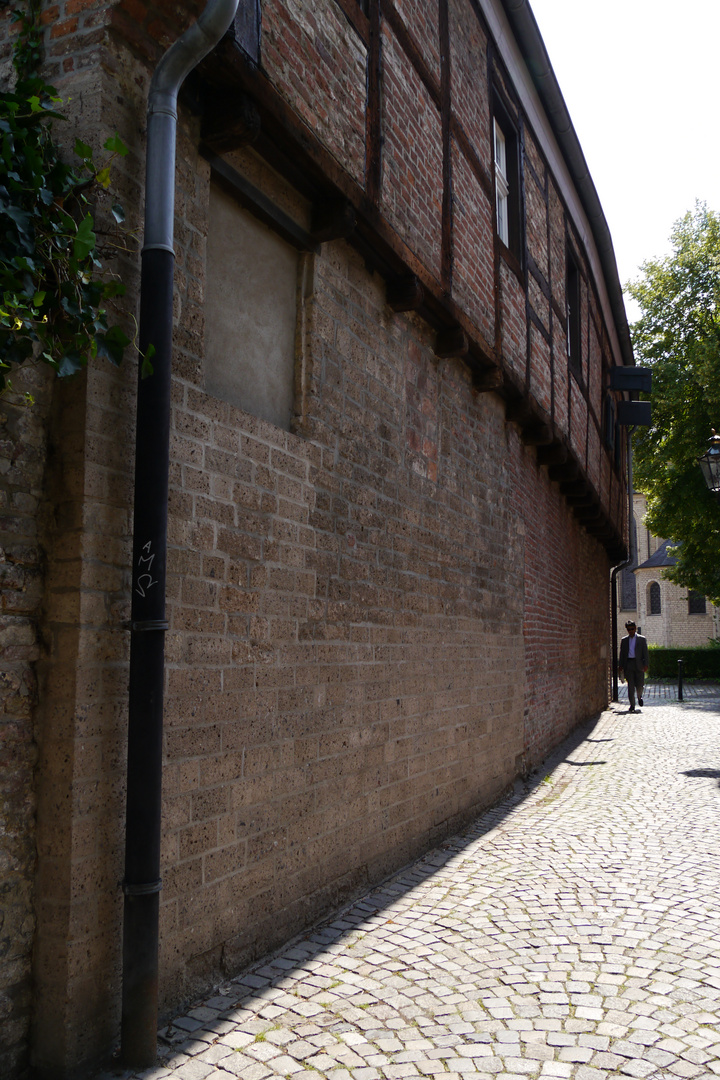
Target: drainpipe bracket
(149, 624)
(146, 888)
(158, 247)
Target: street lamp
(710, 464)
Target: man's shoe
(631, 709)
(640, 701)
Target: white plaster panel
(250, 312)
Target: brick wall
(337, 668)
(412, 161)
(318, 66)
(378, 619)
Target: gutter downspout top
(173, 68)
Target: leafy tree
(678, 336)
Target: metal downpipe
(141, 885)
(621, 566)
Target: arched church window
(654, 604)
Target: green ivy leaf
(82, 150)
(114, 288)
(22, 218)
(146, 368)
(115, 145)
(112, 345)
(84, 241)
(69, 365)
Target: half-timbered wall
(379, 617)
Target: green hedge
(700, 663)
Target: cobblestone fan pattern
(571, 932)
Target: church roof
(661, 557)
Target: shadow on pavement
(249, 988)
(708, 774)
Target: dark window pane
(654, 607)
(696, 603)
(572, 298)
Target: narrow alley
(571, 932)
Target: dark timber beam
(574, 487)
(334, 219)
(520, 410)
(259, 204)
(568, 470)
(589, 514)
(451, 342)
(536, 435)
(554, 454)
(404, 293)
(229, 125)
(487, 379)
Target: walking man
(634, 662)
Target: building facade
(668, 614)
(396, 488)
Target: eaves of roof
(531, 44)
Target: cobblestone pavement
(573, 931)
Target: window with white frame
(502, 187)
(506, 171)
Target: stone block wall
(379, 618)
(341, 688)
(23, 441)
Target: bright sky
(641, 80)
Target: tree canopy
(678, 336)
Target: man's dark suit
(634, 670)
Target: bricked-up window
(507, 180)
(250, 312)
(572, 307)
(696, 603)
(654, 604)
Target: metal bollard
(681, 665)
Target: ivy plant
(55, 291)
